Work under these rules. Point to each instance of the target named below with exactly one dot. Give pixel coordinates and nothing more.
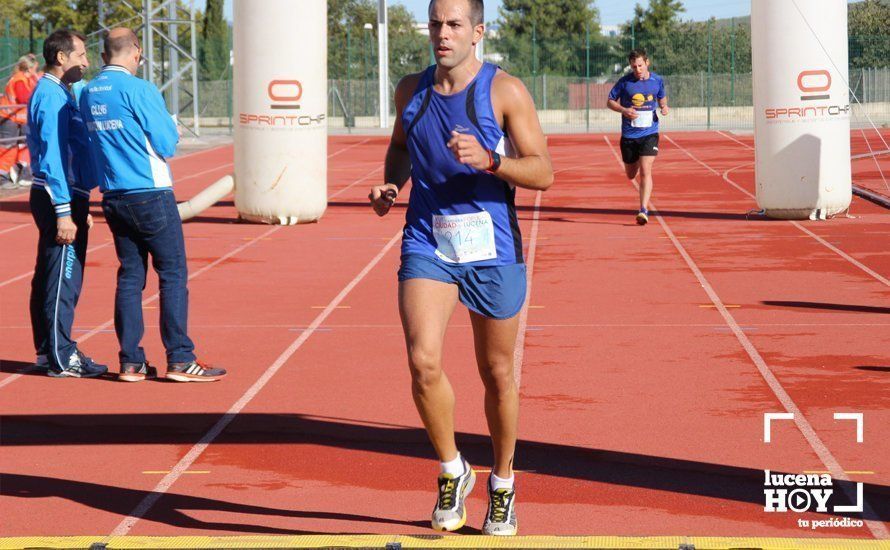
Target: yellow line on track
(164, 472)
(444, 541)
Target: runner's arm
(532, 168)
(397, 166)
(614, 102)
(628, 112)
(662, 99)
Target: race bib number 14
(464, 238)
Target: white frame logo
(784, 492)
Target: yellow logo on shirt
(638, 100)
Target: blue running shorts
(497, 292)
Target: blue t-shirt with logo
(643, 96)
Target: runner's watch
(495, 162)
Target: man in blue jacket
(131, 135)
(60, 204)
(637, 96)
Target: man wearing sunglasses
(131, 136)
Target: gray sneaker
(79, 366)
(501, 517)
(137, 372)
(450, 513)
(193, 371)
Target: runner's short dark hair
(61, 40)
(477, 11)
(636, 54)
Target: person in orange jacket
(14, 157)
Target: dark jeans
(142, 224)
(58, 278)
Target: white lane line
(690, 155)
(363, 178)
(878, 529)
(519, 349)
(101, 328)
(201, 152)
(872, 273)
(172, 162)
(348, 148)
(230, 165)
(202, 172)
(14, 228)
(732, 137)
(195, 452)
(870, 155)
(30, 273)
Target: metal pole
(148, 42)
(383, 63)
(102, 13)
(174, 58)
(194, 32)
(587, 77)
(367, 76)
(732, 63)
(701, 87)
(162, 67)
(544, 89)
(229, 102)
(710, 74)
(863, 95)
(348, 62)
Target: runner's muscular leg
(646, 164)
(632, 169)
(495, 341)
(425, 307)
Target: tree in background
(409, 50)
(11, 12)
(869, 28)
(351, 48)
(116, 13)
(659, 19)
(213, 49)
(654, 28)
(56, 13)
(546, 36)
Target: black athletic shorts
(634, 148)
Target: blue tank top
(443, 187)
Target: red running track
(650, 357)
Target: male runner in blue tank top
(635, 96)
(462, 241)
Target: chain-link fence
(706, 67)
